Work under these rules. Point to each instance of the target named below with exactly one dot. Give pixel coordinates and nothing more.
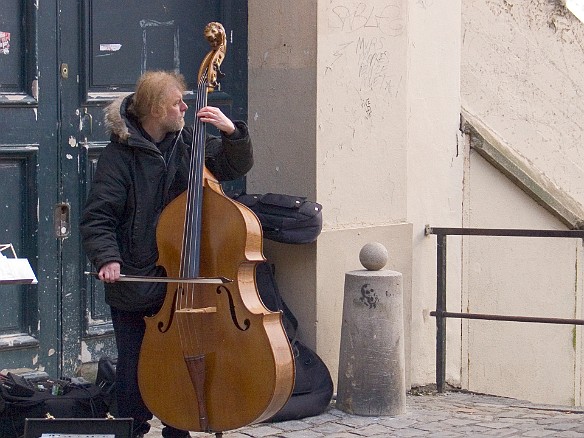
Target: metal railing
(442, 314)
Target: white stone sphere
(373, 256)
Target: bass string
(191, 250)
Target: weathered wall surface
(282, 97)
(361, 117)
(327, 105)
(522, 277)
(523, 75)
(361, 145)
(435, 172)
(282, 120)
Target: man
(143, 168)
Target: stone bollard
(372, 357)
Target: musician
(142, 169)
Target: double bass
(214, 358)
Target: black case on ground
(313, 385)
(74, 401)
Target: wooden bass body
(214, 358)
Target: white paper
(16, 271)
(109, 47)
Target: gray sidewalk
(451, 414)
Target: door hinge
(62, 219)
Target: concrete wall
(521, 76)
(282, 97)
(524, 277)
(282, 119)
(327, 105)
(435, 173)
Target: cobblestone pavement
(450, 414)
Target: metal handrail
(441, 314)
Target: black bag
(313, 385)
(106, 381)
(19, 399)
(285, 218)
(270, 295)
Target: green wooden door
(81, 55)
(29, 176)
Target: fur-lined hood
(116, 118)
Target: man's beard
(176, 125)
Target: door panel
(26, 151)
(17, 56)
(18, 200)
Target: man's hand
(214, 116)
(109, 272)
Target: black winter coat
(134, 180)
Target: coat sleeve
(104, 209)
(230, 157)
